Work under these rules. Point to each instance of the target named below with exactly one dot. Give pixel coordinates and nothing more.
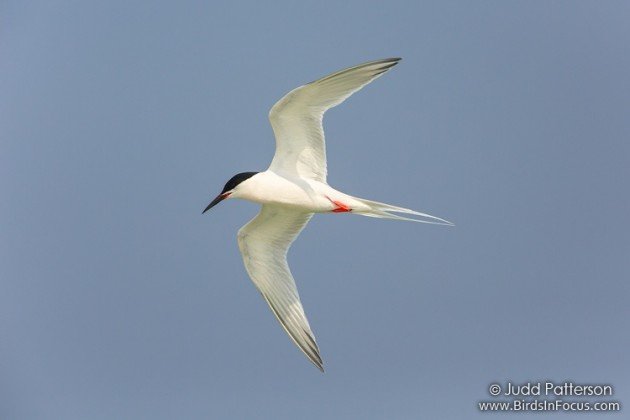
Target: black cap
(229, 186)
(237, 179)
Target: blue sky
(119, 122)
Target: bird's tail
(384, 211)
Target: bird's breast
(302, 194)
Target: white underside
(288, 203)
(312, 196)
(301, 194)
(294, 187)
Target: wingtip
(318, 364)
(387, 63)
(393, 60)
(390, 61)
(316, 358)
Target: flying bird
(294, 187)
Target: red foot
(341, 208)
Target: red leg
(341, 207)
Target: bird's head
(230, 189)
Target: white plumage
(294, 188)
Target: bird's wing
(297, 118)
(264, 243)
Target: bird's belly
(297, 199)
(313, 199)
(298, 194)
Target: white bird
(294, 187)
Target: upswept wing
(297, 118)
(264, 243)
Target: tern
(294, 188)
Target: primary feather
(294, 187)
(264, 243)
(297, 118)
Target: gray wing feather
(297, 118)
(264, 243)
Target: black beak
(216, 201)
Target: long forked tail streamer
(384, 211)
